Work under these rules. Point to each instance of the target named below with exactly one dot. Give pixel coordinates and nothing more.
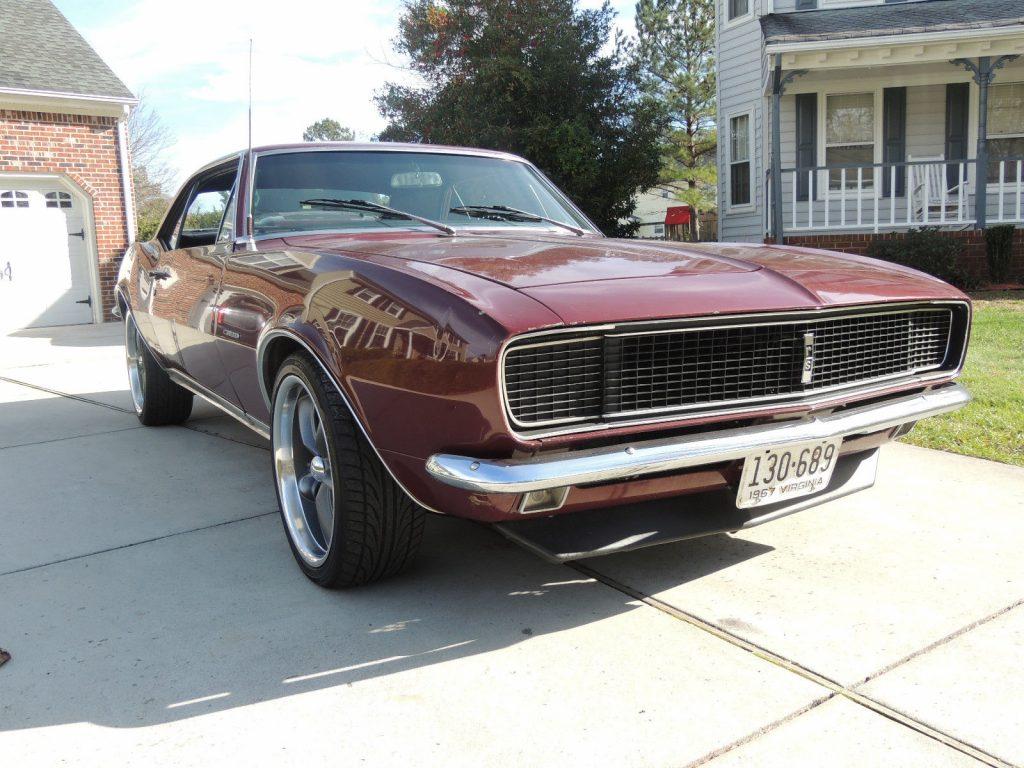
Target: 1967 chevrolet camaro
(422, 328)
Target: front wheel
(158, 400)
(348, 522)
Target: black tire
(158, 400)
(376, 527)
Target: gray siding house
(863, 116)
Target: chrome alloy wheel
(302, 463)
(134, 351)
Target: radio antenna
(248, 159)
(250, 97)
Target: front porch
(882, 133)
(928, 193)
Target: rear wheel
(348, 522)
(158, 400)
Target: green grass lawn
(991, 427)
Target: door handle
(159, 274)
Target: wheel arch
(274, 348)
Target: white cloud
(190, 59)
(311, 60)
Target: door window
(199, 211)
(202, 219)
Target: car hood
(586, 280)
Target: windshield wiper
(512, 214)
(368, 207)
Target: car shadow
(85, 335)
(220, 617)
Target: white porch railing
(927, 192)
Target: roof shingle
(41, 51)
(890, 19)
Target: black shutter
(957, 101)
(806, 141)
(894, 138)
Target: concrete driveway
(154, 615)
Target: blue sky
(188, 59)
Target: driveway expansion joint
(70, 437)
(939, 643)
(58, 393)
(129, 545)
(798, 669)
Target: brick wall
(973, 242)
(84, 148)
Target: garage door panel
(44, 270)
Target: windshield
(461, 191)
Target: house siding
(84, 149)
(744, 83)
(740, 80)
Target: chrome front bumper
(623, 462)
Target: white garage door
(44, 261)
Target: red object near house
(678, 214)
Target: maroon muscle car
(430, 329)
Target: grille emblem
(808, 372)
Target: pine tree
(675, 54)
(539, 78)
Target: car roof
(382, 146)
(354, 146)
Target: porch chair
(930, 182)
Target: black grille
(549, 382)
(624, 373)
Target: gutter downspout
(126, 175)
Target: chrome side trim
(582, 425)
(216, 400)
(261, 350)
(622, 462)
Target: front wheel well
(276, 352)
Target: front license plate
(778, 474)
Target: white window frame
(728, 23)
(873, 190)
(742, 207)
(362, 292)
(993, 186)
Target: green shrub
(927, 250)
(999, 252)
(146, 225)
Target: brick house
(65, 183)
